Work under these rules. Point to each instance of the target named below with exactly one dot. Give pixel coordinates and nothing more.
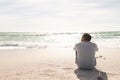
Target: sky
(59, 15)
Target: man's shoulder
(78, 43)
(93, 44)
(82, 43)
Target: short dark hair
(86, 37)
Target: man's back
(85, 57)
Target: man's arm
(75, 49)
(96, 47)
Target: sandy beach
(56, 64)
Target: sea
(24, 40)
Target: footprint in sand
(100, 56)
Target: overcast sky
(59, 15)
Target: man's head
(86, 37)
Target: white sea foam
(13, 40)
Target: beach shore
(56, 64)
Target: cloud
(58, 14)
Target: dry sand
(56, 64)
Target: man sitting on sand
(85, 52)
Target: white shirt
(85, 57)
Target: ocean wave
(13, 45)
(46, 40)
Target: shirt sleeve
(96, 47)
(75, 48)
